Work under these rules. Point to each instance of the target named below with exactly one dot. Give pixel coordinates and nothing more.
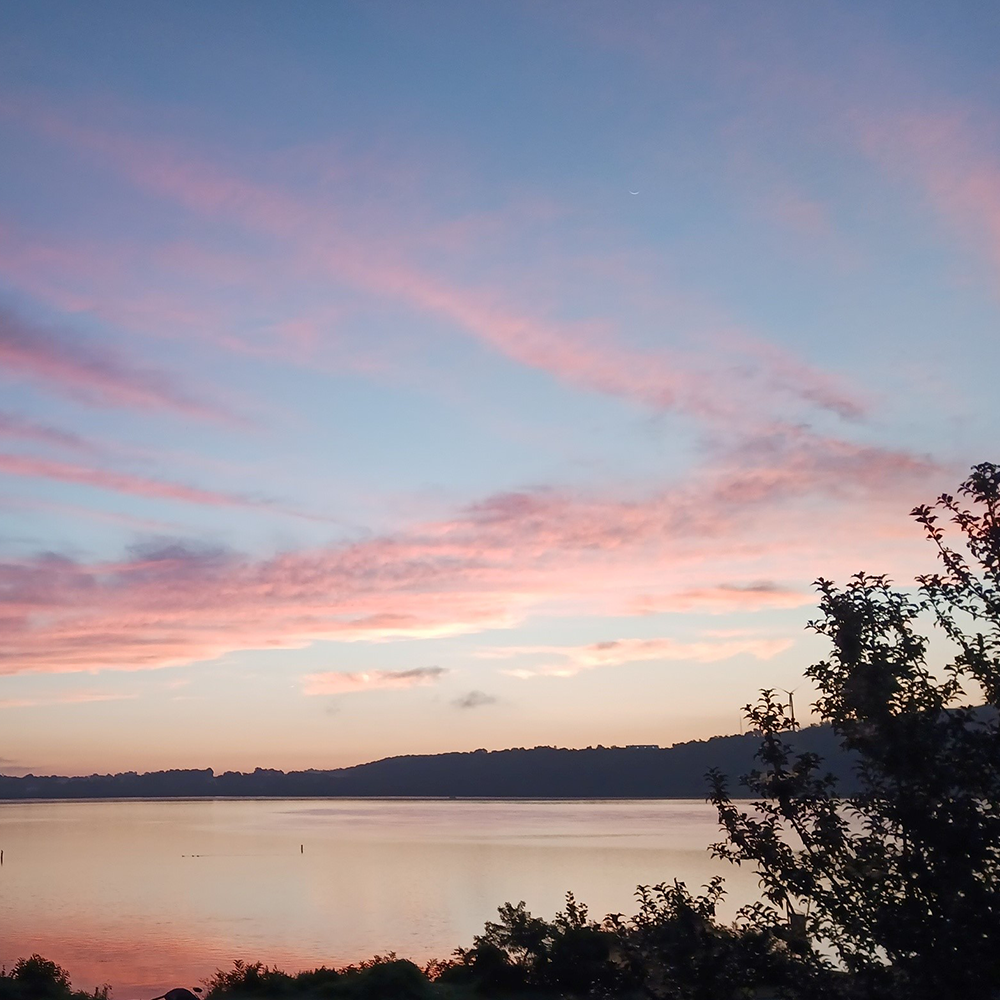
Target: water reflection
(151, 894)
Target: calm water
(153, 894)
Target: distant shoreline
(542, 773)
(363, 798)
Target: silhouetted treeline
(541, 772)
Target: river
(151, 894)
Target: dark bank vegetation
(888, 887)
(537, 772)
(36, 978)
(671, 948)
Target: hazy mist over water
(152, 894)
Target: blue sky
(342, 373)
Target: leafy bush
(379, 978)
(571, 953)
(388, 978)
(249, 979)
(674, 947)
(36, 978)
(319, 982)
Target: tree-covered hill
(540, 772)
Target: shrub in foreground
(379, 978)
(675, 948)
(524, 952)
(36, 978)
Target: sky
(383, 378)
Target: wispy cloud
(588, 355)
(77, 511)
(70, 698)
(723, 598)
(334, 682)
(945, 155)
(140, 486)
(89, 372)
(20, 428)
(41, 468)
(475, 699)
(573, 659)
(489, 566)
(323, 240)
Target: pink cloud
(945, 154)
(320, 239)
(334, 682)
(75, 511)
(490, 566)
(723, 598)
(573, 659)
(159, 167)
(14, 426)
(140, 486)
(806, 216)
(586, 355)
(90, 373)
(71, 698)
(40, 468)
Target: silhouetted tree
(898, 883)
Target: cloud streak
(334, 682)
(41, 468)
(19, 428)
(148, 488)
(723, 598)
(70, 698)
(586, 355)
(574, 659)
(89, 373)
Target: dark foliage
(572, 953)
(538, 772)
(900, 880)
(675, 949)
(672, 949)
(379, 978)
(36, 978)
